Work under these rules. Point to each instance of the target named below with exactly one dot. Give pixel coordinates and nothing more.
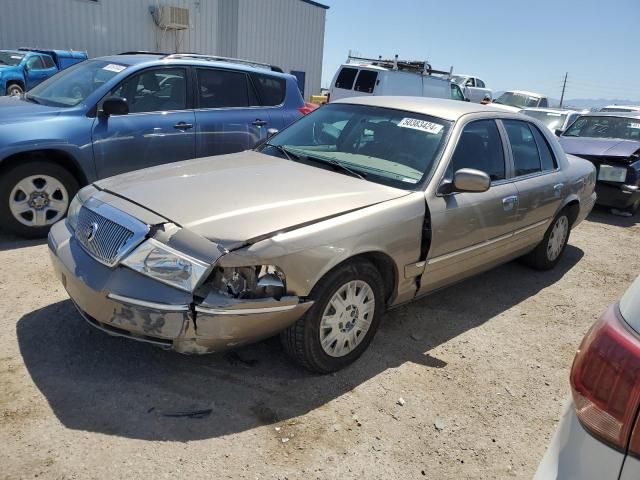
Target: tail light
(308, 107)
(605, 382)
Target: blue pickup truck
(23, 69)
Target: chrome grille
(104, 239)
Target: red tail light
(605, 382)
(308, 107)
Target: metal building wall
(288, 33)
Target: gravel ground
(481, 367)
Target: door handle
(557, 189)
(183, 126)
(509, 202)
(259, 123)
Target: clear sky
(510, 44)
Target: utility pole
(564, 86)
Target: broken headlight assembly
(261, 281)
(167, 265)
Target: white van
(392, 77)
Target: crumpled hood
(16, 110)
(232, 199)
(606, 147)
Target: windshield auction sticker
(421, 125)
(634, 125)
(114, 67)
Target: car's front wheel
(337, 329)
(548, 252)
(14, 90)
(33, 196)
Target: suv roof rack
(143, 52)
(216, 58)
(416, 66)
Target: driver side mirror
(558, 132)
(271, 132)
(471, 180)
(115, 106)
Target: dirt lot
(482, 368)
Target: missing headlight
(262, 281)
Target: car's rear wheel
(548, 252)
(337, 329)
(14, 90)
(33, 196)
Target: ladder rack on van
(416, 66)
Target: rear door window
(526, 157)
(547, 160)
(270, 89)
(224, 89)
(480, 83)
(346, 77)
(366, 81)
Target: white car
(516, 100)
(361, 77)
(620, 108)
(556, 119)
(474, 89)
(598, 436)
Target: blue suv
(111, 115)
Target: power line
(564, 86)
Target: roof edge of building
(316, 4)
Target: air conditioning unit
(173, 18)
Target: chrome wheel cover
(38, 201)
(557, 238)
(347, 318)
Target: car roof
(634, 114)
(621, 106)
(159, 59)
(524, 92)
(552, 110)
(437, 107)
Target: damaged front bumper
(124, 303)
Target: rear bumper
(574, 454)
(124, 303)
(617, 196)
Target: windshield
(10, 58)
(517, 100)
(552, 120)
(605, 127)
(391, 147)
(73, 85)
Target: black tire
(14, 89)
(633, 208)
(301, 340)
(10, 178)
(539, 257)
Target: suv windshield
(552, 120)
(390, 147)
(605, 127)
(73, 85)
(10, 58)
(517, 100)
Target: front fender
(305, 255)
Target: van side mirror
(115, 106)
(471, 180)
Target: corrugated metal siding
(294, 28)
(288, 33)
